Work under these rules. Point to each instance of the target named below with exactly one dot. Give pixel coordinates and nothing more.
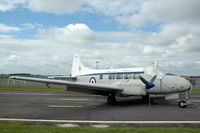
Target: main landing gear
(111, 99)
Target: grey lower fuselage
(129, 82)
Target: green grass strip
(4, 128)
(195, 91)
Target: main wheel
(182, 104)
(111, 100)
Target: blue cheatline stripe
(113, 73)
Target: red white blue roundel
(92, 80)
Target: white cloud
(29, 26)
(6, 5)
(72, 33)
(188, 43)
(5, 36)
(168, 54)
(5, 28)
(183, 67)
(134, 13)
(52, 51)
(55, 6)
(133, 21)
(197, 62)
(55, 57)
(34, 56)
(13, 57)
(175, 38)
(114, 7)
(162, 11)
(107, 7)
(148, 50)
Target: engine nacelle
(136, 88)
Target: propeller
(148, 84)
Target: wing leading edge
(76, 86)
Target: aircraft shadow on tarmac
(138, 102)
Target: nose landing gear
(184, 103)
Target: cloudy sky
(42, 36)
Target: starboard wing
(98, 89)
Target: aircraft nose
(185, 84)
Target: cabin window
(119, 76)
(111, 76)
(100, 76)
(134, 76)
(127, 76)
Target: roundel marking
(92, 80)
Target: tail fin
(77, 67)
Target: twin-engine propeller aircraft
(120, 82)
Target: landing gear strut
(145, 98)
(111, 99)
(184, 103)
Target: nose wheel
(111, 99)
(182, 104)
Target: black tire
(182, 104)
(111, 100)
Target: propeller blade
(143, 80)
(149, 85)
(153, 78)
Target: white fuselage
(128, 79)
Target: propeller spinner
(148, 85)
